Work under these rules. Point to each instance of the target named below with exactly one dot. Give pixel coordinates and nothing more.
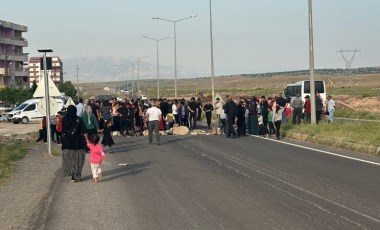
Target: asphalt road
(210, 182)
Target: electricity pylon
(348, 57)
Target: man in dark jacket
(281, 101)
(230, 109)
(193, 106)
(208, 108)
(318, 106)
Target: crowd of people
(77, 128)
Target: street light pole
(138, 72)
(212, 57)
(175, 46)
(78, 82)
(311, 59)
(47, 99)
(158, 66)
(132, 81)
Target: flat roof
(13, 26)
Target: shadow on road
(128, 170)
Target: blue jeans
(331, 115)
(284, 117)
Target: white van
(28, 111)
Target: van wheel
(24, 120)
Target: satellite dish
(42, 106)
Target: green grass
(9, 154)
(355, 91)
(360, 137)
(346, 113)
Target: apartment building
(12, 56)
(54, 69)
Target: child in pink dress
(97, 155)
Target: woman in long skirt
(73, 144)
(253, 121)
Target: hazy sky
(249, 35)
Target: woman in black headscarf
(74, 138)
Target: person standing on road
(297, 110)
(307, 107)
(219, 111)
(193, 106)
(199, 109)
(230, 109)
(59, 127)
(264, 110)
(74, 138)
(277, 118)
(97, 155)
(175, 107)
(330, 108)
(90, 121)
(281, 101)
(80, 107)
(152, 117)
(208, 108)
(318, 106)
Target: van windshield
(22, 106)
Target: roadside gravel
(22, 196)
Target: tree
(34, 87)
(68, 88)
(13, 95)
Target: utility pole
(138, 73)
(212, 57)
(78, 82)
(132, 82)
(311, 63)
(348, 57)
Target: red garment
(161, 125)
(288, 112)
(59, 125)
(43, 123)
(307, 106)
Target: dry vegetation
(356, 93)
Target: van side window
(30, 107)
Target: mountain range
(107, 68)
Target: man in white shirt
(79, 107)
(152, 120)
(175, 111)
(219, 111)
(330, 108)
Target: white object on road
(123, 164)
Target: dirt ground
(8, 129)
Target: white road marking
(321, 151)
(123, 164)
(252, 167)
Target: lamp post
(78, 82)
(311, 59)
(175, 46)
(138, 72)
(47, 99)
(212, 57)
(158, 66)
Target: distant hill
(326, 72)
(107, 68)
